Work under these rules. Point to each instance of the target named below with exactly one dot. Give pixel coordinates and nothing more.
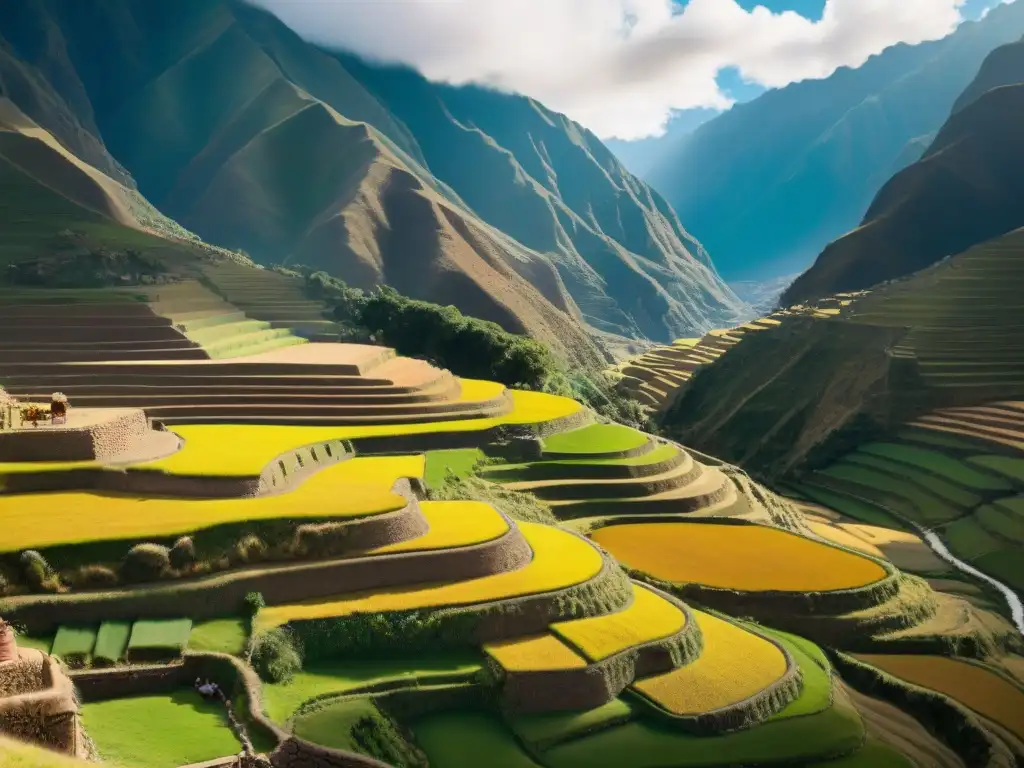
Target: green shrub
(146, 562)
(93, 577)
(253, 604)
(275, 656)
(35, 569)
(183, 553)
(251, 549)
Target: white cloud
(617, 66)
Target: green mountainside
(243, 133)
(768, 184)
(968, 188)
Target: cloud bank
(619, 67)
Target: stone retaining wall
(48, 716)
(222, 594)
(110, 437)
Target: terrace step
(681, 475)
(711, 488)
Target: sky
(622, 68)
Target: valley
(349, 418)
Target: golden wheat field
(452, 524)
(534, 654)
(353, 488)
(733, 666)
(648, 618)
(560, 560)
(985, 692)
(742, 557)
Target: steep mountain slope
(252, 138)
(553, 186)
(968, 188)
(770, 183)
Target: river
(939, 548)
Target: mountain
(768, 184)
(236, 128)
(968, 188)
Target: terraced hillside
(957, 471)
(658, 376)
(945, 337)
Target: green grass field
(462, 739)
(282, 699)
(459, 462)
(1008, 467)
(559, 726)
(160, 636)
(159, 731)
(220, 635)
(595, 438)
(42, 643)
(939, 463)
(331, 726)
(873, 754)
(956, 495)
(899, 494)
(74, 641)
(112, 641)
(854, 508)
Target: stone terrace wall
(108, 437)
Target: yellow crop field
(534, 654)
(648, 618)
(452, 524)
(985, 692)
(476, 390)
(353, 488)
(743, 557)
(559, 560)
(245, 449)
(733, 666)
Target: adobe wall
(102, 435)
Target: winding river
(939, 548)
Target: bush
(183, 553)
(275, 656)
(253, 604)
(35, 569)
(93, 577)
(146, 562)
(251, 549)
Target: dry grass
(733, 666)
(746, 558)
(452, 524)
(648, 618)
(983, 691)
(353, 488)
(560, 560)
(838, 534)
(534, 654)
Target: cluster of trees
(466, 346)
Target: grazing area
(149, 731)
(744, 558)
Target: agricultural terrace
(984, 691)
(733, 666)
(648, 618)
(245, 449)
(159, 731)
(451, 524)
(560, 560)
(459, 739)
(79, 517)
(747, 558)
(317, 678)
(595, 438)
(534, 654)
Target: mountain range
(768, 184)
(217, 116)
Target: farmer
(207, 689)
